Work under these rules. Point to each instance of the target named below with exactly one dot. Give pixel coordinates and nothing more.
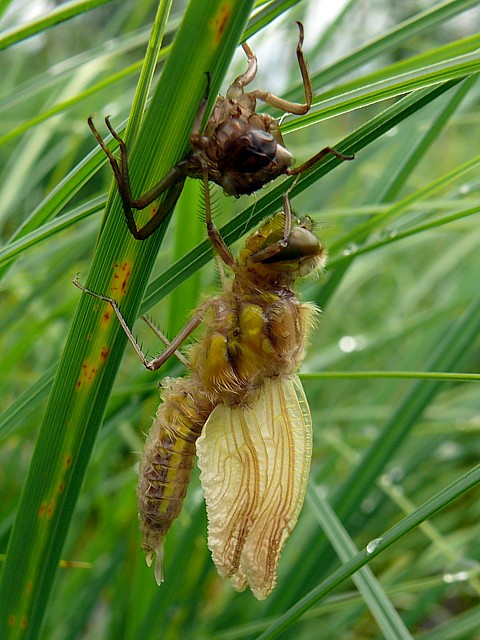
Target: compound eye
(252, 151)
(302, 243)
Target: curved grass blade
(247, 219)
(77, 403)
(442, 499)
(381, 607)
(65, 12)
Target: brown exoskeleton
(241, 150)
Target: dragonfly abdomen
(167, 462)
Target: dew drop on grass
(350, 249)
(373, 545)
(347, 344)
(462, 570)
(388, 233)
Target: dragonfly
(240, 407)
(240, 149)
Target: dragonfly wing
(230, 477)
(255, 460)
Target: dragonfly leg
(172, 346)
(173, 182)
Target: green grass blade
(413, 65)
(381, 608)
(420, 147)
(414, 27)
(415, 273)
(95, 346)
(26, 403)
(442, 499)
(394, 86)
(183, 268)
(448, 356)
(67, 11)
(464, 625)
(270, 203)
(45, 232)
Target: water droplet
(461, 571)
(347, 344)
(394, 475)
(322, 491)
(369, 504)
(464, 189)
(449, 450)
(166, 383)
(350, 249)
(373, 545)
(387, 233)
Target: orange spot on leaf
(106, 316)
(11, 620)
(121, 276)
(87, 374)
(68, 460)
(41, 511)
(104, 353)
(220, 21)
(24, 622)
(61, 487)
(51, 508)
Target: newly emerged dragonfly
(241, 407)
(241, 150)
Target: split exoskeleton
(240, 150)
(241, 407)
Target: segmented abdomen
(167, 462)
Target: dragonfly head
(301, 255)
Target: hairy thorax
(250, 338)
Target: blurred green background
(401, 293)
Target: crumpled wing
(255, 460)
